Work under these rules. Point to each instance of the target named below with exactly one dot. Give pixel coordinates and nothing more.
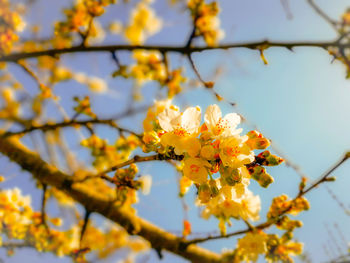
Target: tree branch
(54, 126)
(324, 178)
(179, 49)
(97, 202)
(135, 159)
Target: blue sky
(300, 101)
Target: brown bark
(97, 202)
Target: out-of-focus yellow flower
(146, 183)
(185, 184)
(206, 21)
(252, 245)
(142, 24)
(97, 85)
(10, 26)
(149, 67)
(115, 27)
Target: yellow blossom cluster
(282, 204)
(216, 146)
(80, 19)
(273, 247)
(106, 155)
(206, 21)
(143, 23)
(84, 107)
(150, 66)
(10, 24)
(346, 18)
(11, 107)
(94, 84)
(20, 222)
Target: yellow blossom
(252, 245)
(181, 130)
(142, 24)
(234, 152)
(196, 169)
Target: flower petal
(167, 117)
(191, 119)
(212, 116)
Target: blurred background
(300, 100)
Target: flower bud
(257, 140)
(268, 159)
(150, 138)
(204, 193)
(208, 152)
(213, 188)
(265, 180)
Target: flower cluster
(150, 66)
(84, 107)
(106, 155)
(346, 18)
(80, 19)
(20, 222)
(206, 21)
(273, 247)
(143, 23)
(11, 107)
(216, 146)
(10, 24)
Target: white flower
(219, 126)
(186, 123)
(146, 183)
(15, 197)
(181, 129)
(228, 204)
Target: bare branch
(179, 49)
(319, 11)
(71, 123)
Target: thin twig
(319, 11)
(43, 212)
(135, 159)
(53, 126)
(83, 228)
(205, 84)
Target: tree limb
(179, 49)
(97, 202)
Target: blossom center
(194, 168)
(220, 126)
(232, 151)
(181, 132)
